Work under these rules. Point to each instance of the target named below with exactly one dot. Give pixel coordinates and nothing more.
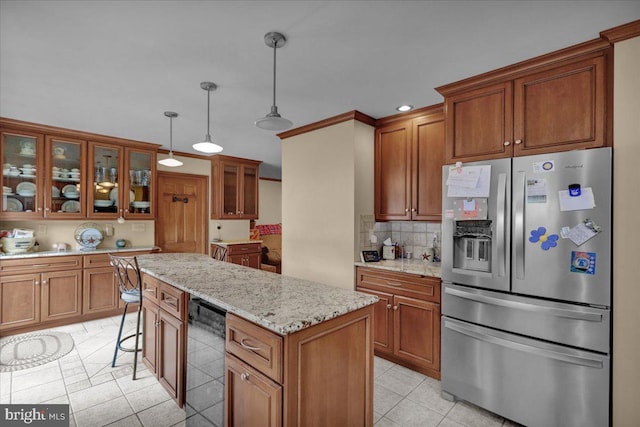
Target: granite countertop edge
(418, 267)
(41, 254)
(279, 303)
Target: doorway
(182, 223)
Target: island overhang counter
(296, 352)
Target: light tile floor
(100, 395)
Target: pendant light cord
(170, 136)
(275, 46)
(208, 113)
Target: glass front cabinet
(234, 188)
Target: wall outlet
(373, 238)
(42, 229)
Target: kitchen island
(296, 352)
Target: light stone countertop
(279, 303)
(226, 243)
(412, 266)
(40, 254)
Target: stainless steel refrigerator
(526, 300)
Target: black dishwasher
(205, 364)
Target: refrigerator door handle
(558, 312)
(550, 354)
(501, 228)
(518, 201)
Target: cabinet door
(61, 294)
(105, 194)
(66, 178)
(171, 355)
(561, 109)
(253, 260)
(22, 160)
(139, 180)
(150, 315)
(249, 192)
(428, 158)
(230, 189)
(479, 124)
(251, 399)
(100, 290)
(20, 299)
(417, 331)
(393, 172)
(383, 321)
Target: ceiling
(115, 67)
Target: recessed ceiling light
(404, 108)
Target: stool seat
(129, 280)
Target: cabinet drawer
(102, 260)
(404, 284)
(243, 248)
(173, 300)
(150, 288)
(37, 265)
(258, 347)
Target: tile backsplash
(416, 237)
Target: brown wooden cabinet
(556, 102)
(407, 317)
(409, 154)
(61, 294)
(245, 254)
(234, 188)
(165, 335)
(20, 300)
(100, 290)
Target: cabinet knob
(413, 209)
(45, 209)
(395, 307)
(244, 376)
(37, 282)
(507, 143)
(44, 282)
(40, 209)
(388, 306)
(518, 141)
(406, 210)
(156, 323)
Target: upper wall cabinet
(409, 154)
(57, 173)
(556, 102)
(234, 188)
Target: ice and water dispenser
(472, 245)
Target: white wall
(270, 209)
(626, 205)
(320, 171)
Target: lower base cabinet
(407, 317)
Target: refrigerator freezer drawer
(569, 324)
(525, 380)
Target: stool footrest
(130, 350)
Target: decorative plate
(14, 205)
(69, 188)
(88, 235)
(113, 195)
(26, 187)
(71, 206)
(55, 192)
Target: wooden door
(171, 355)
(428, 158)
(417, 331)
(561, 109)
(61, 294)
(479, 124)
(383, 321)
(182, 220)
(392, 186)
(251, 399)
(150, 314)
(99, 290)
(20, 300)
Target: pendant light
(273, 120)
(170, 161)
(207, 146)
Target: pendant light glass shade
(273, 120)
(170, 161)
(207, 146)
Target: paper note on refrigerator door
(469, 181)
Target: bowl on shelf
(28, 171)
(72, 195)
(141, 205)
(102, 203)
(26, 193)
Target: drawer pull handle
(395, 307)
(171, 301)
(388, 306)
(244, 376)
(41, 265)
(394, 284)
(150, 290)
(248, 347)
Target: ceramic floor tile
(147, 397)
(103, 413)
(411, 414)
(449, 423)
(215, 414)
(5, 383)
(84, 399)
(206, 395)
(196, 377)
(428, 395)
(163, 415)
(101, 378)
(380, 366)
(384, 399)
(40, 393)
(130, 421)
(472, 416)
(386, 422)
(31, 371)
(72, 379)
(77, 386)
(196, 421)
(144, 379)
(406, 372)
(399, 381)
